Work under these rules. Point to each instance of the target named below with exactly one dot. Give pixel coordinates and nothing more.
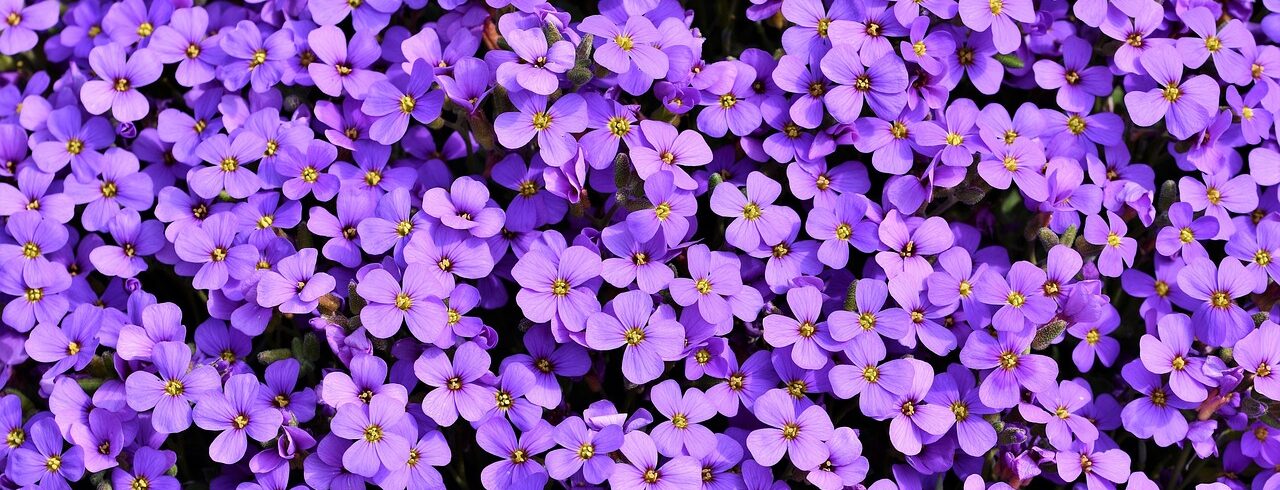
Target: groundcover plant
(639, 244)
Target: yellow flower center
(1171, 93)
(240, 421)
(541, 121)
(867, 321)
(404, 302)
(919, 48)
(807, 329)
(560, 287)
(844, 231)
(145, 29)
(619, 126)
(1159, 398)
(871, 374)
(1093, 336)
(310, 175)
(503, 399)
(53, 463)
(823, 25)
(624, 41)
(229, 164)
(965, 289)
(634, 336)
(1113, 240)
(193, 51)
(680, 421)
(34, 295)
(1179, 363)
(1008, 361)
(996, 6)
(404, 227)
(898, 130)
(13, 18)
(751, 211)
(407, 103)
(790, 431)
(908, 408)
(651, 476)
(30, 250)
(519, 456)
(1016, 299)
(173, 387)
(75, 146)
(1214, 195)
(703, 286)
(960, 410)
(1076, 124)
(586, 451)
(954, 139)
(727, 101)
(218, 254)
(1072, 77)
(1213, 44)
(1010, 163)
(259, 58)
(662, 211)
(373, 433)
(1262, 257)
(15, 437)
(1220, 300)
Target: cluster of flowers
(510, 243)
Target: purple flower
(1156, 414)
(1057, 408)
(1218, 320)
(378, 429)
(914, 422)
(18, 32)
(44, 462)
(148, 471)
(552, 126)
(394, 302)
(554, 285)
(294, 286)
(682, 433)
(254, 60)
(999, 17)
(798, 429)
(517, 469)
(117, 90)
(341, 67)
(392, 106)
(172, 388)
(727, 106)
(810, 337)
(1171, 354)
(1101, 468)
(532, 64)
(239, 413)
(642, 471)
(628, 49)
(1187, 106)
(226, 171)
(1020, 298)
(668, 150)
(715, 286)
(185, 41)
(1118, 250)
(72, 142)
(213, 247)
(1012, 367)
(650, 336)
(584, 450)
(67, 347)
(954, 390)
(908, 246)
(457, 384)
(880, 82)
(757, 219)
(465, 206)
